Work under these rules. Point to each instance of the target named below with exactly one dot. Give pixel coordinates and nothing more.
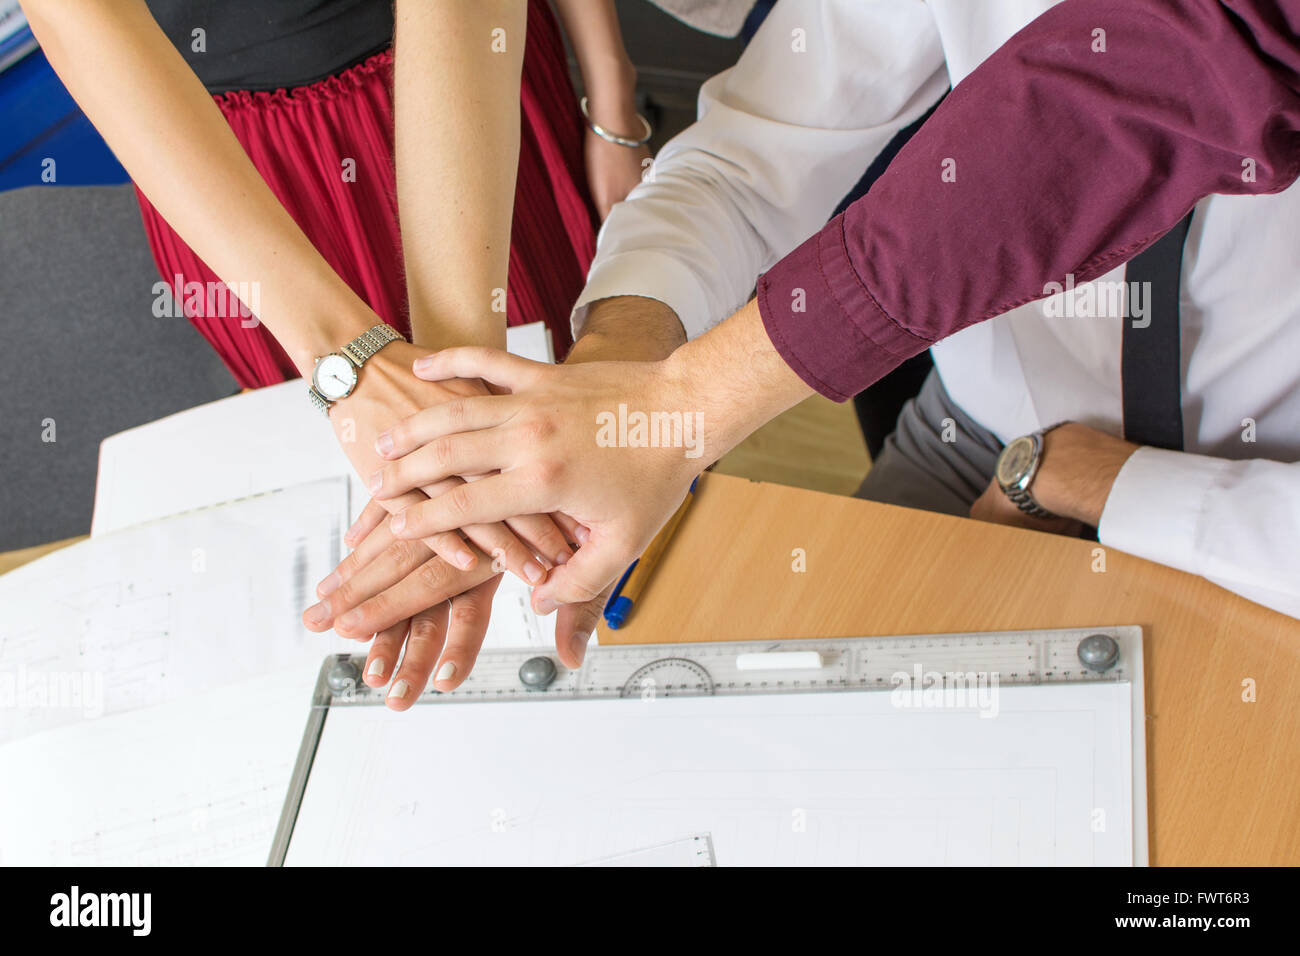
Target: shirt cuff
(652, 275)
(824, 321)
(1157, 504)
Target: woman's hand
(415, 605)
(387, 392)
(376, 587)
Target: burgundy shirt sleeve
(1065, 160)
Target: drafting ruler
(925, 663)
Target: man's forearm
(628, 328)
(734, 377)
(456, 109)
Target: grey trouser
(918, 469)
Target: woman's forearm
(172, 139)
(607, 72)
(457, 69)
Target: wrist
(611, 99)
(609, 79)
(737, 377)
(326, 334)
(689, 383)
(1078, 469)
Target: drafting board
(759, 775)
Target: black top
(268, 44)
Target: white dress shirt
(788, 131)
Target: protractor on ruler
(669, 677)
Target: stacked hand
(608, 448)
(451, 567)
(537, 459)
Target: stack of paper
(155, 680)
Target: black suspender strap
(1151, 364)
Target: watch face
(1015, 461)
(334, 377)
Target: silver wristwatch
(1016, 469)
(335, 375)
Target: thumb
(574, 625)
(593, 568)
(491, 365)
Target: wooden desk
(1223, 776)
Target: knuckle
(549, 471)
(441, 452)
(433, 576)
(537, 429)
(457, 412)
(582, 591)
(371, 611)
(423, 628)
(345, 597)
(404, 553)
(459, 500)
(465, 614)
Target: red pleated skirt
(298, 140)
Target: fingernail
(423, 363)
(318, 613)
(329, 585)
(465, 560)
(399, 690)
(582, 534)
(397, 522)
(546, 606)
(580, 647)
(350, 621)
(562, 558)
(534, 572)
(384, 444)
(447, 671)
(376, 482)
(376, 668)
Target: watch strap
(318, 400)
(1026, 503)
(368, 343)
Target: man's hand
(386, 393)
(613, 445)
(628, 327)
(1078, 468)
(558, 437)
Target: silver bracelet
(614, 138)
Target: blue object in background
(40, 120)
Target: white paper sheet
(800, 779)
(198, 781)
(169, 608)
